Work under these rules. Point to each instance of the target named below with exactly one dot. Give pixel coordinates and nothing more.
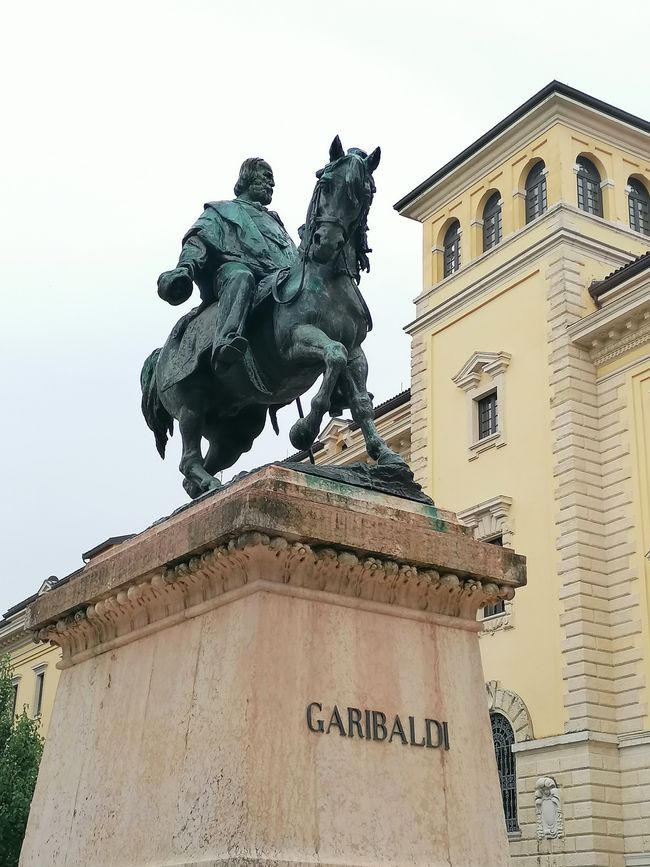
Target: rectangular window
(498, 607)
(15, 704)
(487, 415)
(494, 609)
(38, 698)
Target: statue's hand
(175, 286)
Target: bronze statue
(272, 319)
(229, 249)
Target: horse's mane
(361, 189)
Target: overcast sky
(120, 119)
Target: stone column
(285, 672)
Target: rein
(314, 224)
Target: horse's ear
(372, 161)
(336, 150)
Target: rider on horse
(230, 248)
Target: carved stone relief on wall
(548, 806)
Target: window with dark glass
(503, 737)
(639, 205)
(15, 700)
(38, 700)
(487, 415)
(535, 192)
(589, 196)
(492, 221)
(452, 249)
(498, 607)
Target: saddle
(191, 339)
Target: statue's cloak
(231, 231)
(237, 231)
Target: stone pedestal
(285, 672)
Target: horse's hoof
(392, 459)
(300, 435)
(210, 485)
(192, 488)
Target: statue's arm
(175, 286)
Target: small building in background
(34, 665)
(35, 675)
(341, 442)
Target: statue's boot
(233, 349)
(236, 286)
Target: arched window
(535, 192)
(452, 249)
(492, 221)
(589, 198)
(504, 738)
(639, 205)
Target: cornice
(555, 109)
(619, 327)
(13, 631)
(494, 363)
(253, 562)
(522, 263)
(497, 507)
(356, 446)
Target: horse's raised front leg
(353, 385)
(197, 479)
(310, 344)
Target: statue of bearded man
(230, 248)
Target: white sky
(120, 119)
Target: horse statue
(306, 321)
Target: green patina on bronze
(273, 318)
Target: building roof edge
(535, 100)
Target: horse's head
(339, 206)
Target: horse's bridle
(315, 223)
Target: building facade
(34, 664)
(530, 417)
(34, 671)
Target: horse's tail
(155, 414)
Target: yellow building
(34, 665)
(35, 675)
(341, 443)
(530, 417)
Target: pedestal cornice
(408, 556)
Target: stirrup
(228, 353)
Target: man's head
(255, 181)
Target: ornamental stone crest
(548, 806)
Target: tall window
(452, 249)
(492, 221)
(38, 697)
(589, 197)
(15, 699)
(488, 422)
(503, 737)
(639, 205)
(535, 192)
(493, 609)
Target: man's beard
(261, 193)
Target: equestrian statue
(273, 318)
